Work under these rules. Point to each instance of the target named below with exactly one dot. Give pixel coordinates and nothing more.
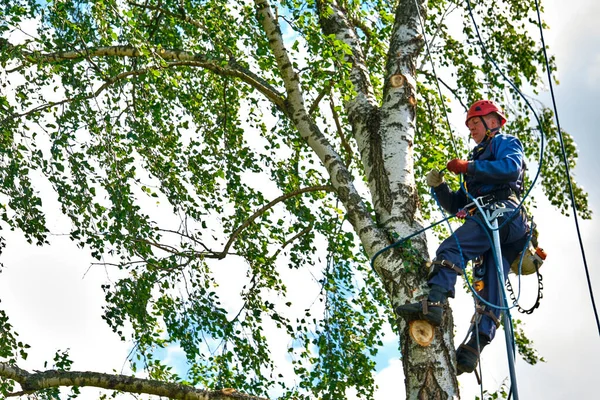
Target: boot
(430, 310)
(467, 354)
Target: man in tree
(494, 171)
(180, 134)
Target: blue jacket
(496, 164)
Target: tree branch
(338, 126)
(263, 209)
(360, 24)
(176, 58)
(333, 20)
(222, 254)
(94, 94)
(33, 382)
(453, 91)
(293, 238)
(363, 110)
(358, 214)
(326, 89)
(182, 16)
(449, 9)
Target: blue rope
(463, 263)
(401, 241)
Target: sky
(51, 313)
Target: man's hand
(461, 214)
(458, 166)
(435, 178)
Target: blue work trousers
(475, 242)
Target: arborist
(494, 172)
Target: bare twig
(433, 38)
(272, 203)
(453, 91)
(338, 126)
(326, 89)
(185, 235)
(94, 94)
(222, 254)
(293, 238)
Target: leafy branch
(263, 209)
(33, 382)
(222, 254)
(176, 57)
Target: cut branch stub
(421, 332)
(397, 80)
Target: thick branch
(363, 110)
(176, 57)
(333, 20)
(340, 131)
(358, 214)
(32, 382)
(326, 89)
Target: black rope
(436, 79)
(564, 154)
(513, 389)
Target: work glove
(435, 178)
(458, 166)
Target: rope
(401, 241)
(437, 82)
(463, 263)
(514, 86)
(562, 147)
(480, 376)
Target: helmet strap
(488, 131)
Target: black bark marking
(431, 390)
(382, 182)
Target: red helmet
(485, 107)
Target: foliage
(525, 345)
(162, 128)
(503, 392)
(11, 350)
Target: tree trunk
(385, 137)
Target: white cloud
(390, 381)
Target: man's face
(477, 128)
